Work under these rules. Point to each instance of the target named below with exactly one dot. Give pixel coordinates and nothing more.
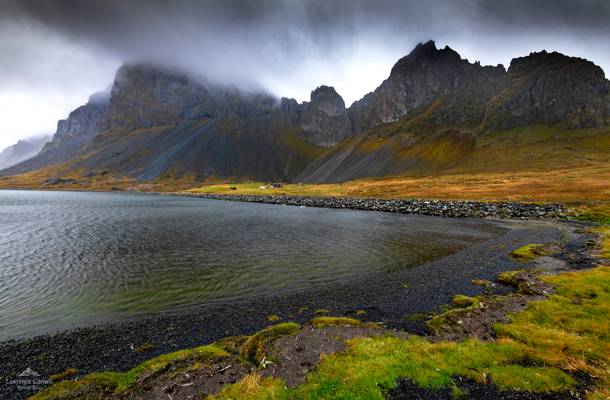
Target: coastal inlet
(72, 259)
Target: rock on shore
(455, 209)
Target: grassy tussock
(120, 381)
(460, 300)
(252, 387)
(253, 349)
(320, 322)
(527, 253)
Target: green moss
(510, 278)
(320, 322)
(372, 365)
(253, 349)
(253, 387)
(599, 213)
(459, 300)
(120, 381)
(437, 322)
(231, 344)
(529, 252)
(68, 373)
(321, 311)
(273, 318)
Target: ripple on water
(69, 259)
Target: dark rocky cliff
(158, 122)
(550, 88)
(433, 87)
(325, 121)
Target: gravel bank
(454, 209)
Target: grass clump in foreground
(529, 252)
(120, 381)
(253, 349)
(567, 332)
(320, 322)
(460, 300)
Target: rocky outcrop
(81, 124)
(435, 85)
(324, 120)
(426, 115)
(552, 89)
(432, 88)
(144, 96)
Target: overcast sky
(55, 53)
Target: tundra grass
(320, 322)
(538, 351)
(120, 381)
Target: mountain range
(435, 111)
(22, 150)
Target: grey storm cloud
(250, 42)
(287, 47)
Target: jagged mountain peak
(424, 54)
(159, 120)
(324, 91)
(325, 121)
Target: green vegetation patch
(320, 322)
(253, 349)
(120, 381)
(253, 387)
(511, 278)
(599, 213)
(273, 318)
(460, 300)
(529, 252)
(569, 331)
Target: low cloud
(287, 47)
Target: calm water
(72, 259)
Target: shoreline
(409, 206)
(436, 208)
(108, 347)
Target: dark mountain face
(435, 88)
(144, 96)
(158, 122)
(325, 121)
(435, 85)
(550, 88)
